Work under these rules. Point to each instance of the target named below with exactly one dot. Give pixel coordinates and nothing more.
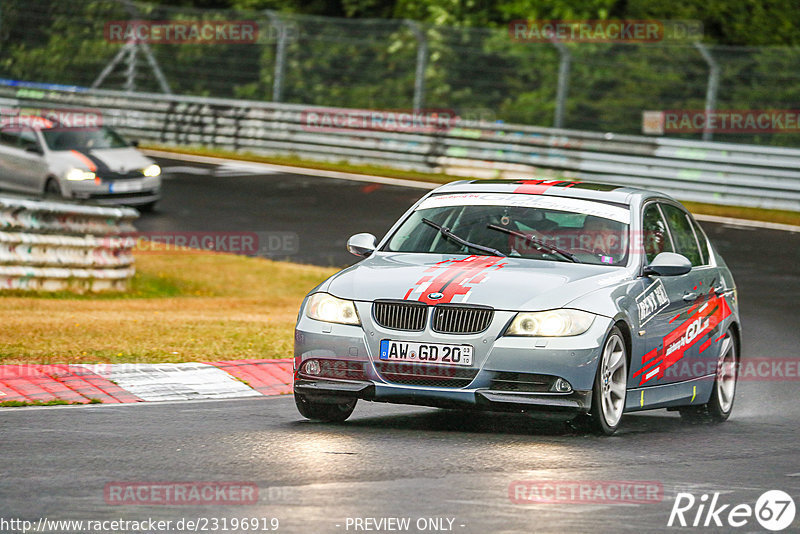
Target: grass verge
(756, 214)
(182, 307)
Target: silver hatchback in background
(41, 156)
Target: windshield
(82, 139)
(526, 226)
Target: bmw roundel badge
(435, 296)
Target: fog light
(311, 367)
(561, 386)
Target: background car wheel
(52, 189)
(323, 411)
(147, 208)
(610, 385)
(720, 405)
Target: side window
(702, 240)
(28, 139)
(682, 233)
(655, 236)
(9, 137)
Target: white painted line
(185, 169)
(793, 475)
(272, 168)
(747, 223)
(417, 184)
(244, 168)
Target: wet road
(406, 462)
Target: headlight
(553, 323)
(325, 307)
(76, 175)
(152, 170)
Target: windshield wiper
(535, 242)
(460, 240)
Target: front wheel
(719, 406)
(610, 385)
(324, 411)
(52, 189)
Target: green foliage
(367, 57)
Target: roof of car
(617, 194)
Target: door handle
(690, 297)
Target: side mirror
(668, 264)
(34, 150)
(362, 244)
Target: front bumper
(544, 405)
(352, 353)
(128, 192)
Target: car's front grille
(447, 318)
(124, 175)
(527, 382)
(461, 319)
(426, 375)
(400, 315)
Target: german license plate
(123, 187)
(436, 353)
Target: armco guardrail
(721, 173)
(52, 246)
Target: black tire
(601, 420)
(147, 208)
(334, 412)
(720, 404)
(52, 189)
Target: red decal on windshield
(453, 278)
(537, 187)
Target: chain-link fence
(396, 64)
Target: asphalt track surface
(397, 461)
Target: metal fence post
(422, 59)
(280, 54)
(711, 89)
(563, 83)
(130, 71)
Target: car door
(663, 306)
(9, 145)
(22, 163)
(704, 319)
(31, 169)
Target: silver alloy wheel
(613, 380)
(726, 374)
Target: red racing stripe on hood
(86, 161)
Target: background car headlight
(325, 307)
(553, 323)
(79, 174)
(152, 170)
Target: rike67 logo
(774, 510)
